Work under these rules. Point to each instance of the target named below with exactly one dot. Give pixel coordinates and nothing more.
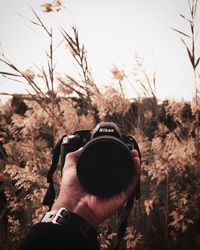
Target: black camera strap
(128, 206)
(50, 194)
(124, 220)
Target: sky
(113, 32)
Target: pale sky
(112, 32)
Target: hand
(93, 209)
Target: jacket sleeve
(51, 236)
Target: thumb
(72, 157)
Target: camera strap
(124, 220)
(50, 194)
(128, 206)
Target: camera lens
(105, 166)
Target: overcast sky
(112, 31)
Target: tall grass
(194, 57)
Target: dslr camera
(105, 165)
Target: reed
(190, 42)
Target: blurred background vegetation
(167, 216)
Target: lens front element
(105, 166)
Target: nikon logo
(106, 130)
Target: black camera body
(105, 165)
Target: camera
(105, 165)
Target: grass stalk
(194, 59)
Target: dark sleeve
(51, 236)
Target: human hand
(93, 209)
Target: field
(167, 214)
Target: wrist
(76, 207)
(64, 217)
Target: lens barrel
(105, 166)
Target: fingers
(136, 162)
(137, 173)
(135, 153)
(71, 160)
